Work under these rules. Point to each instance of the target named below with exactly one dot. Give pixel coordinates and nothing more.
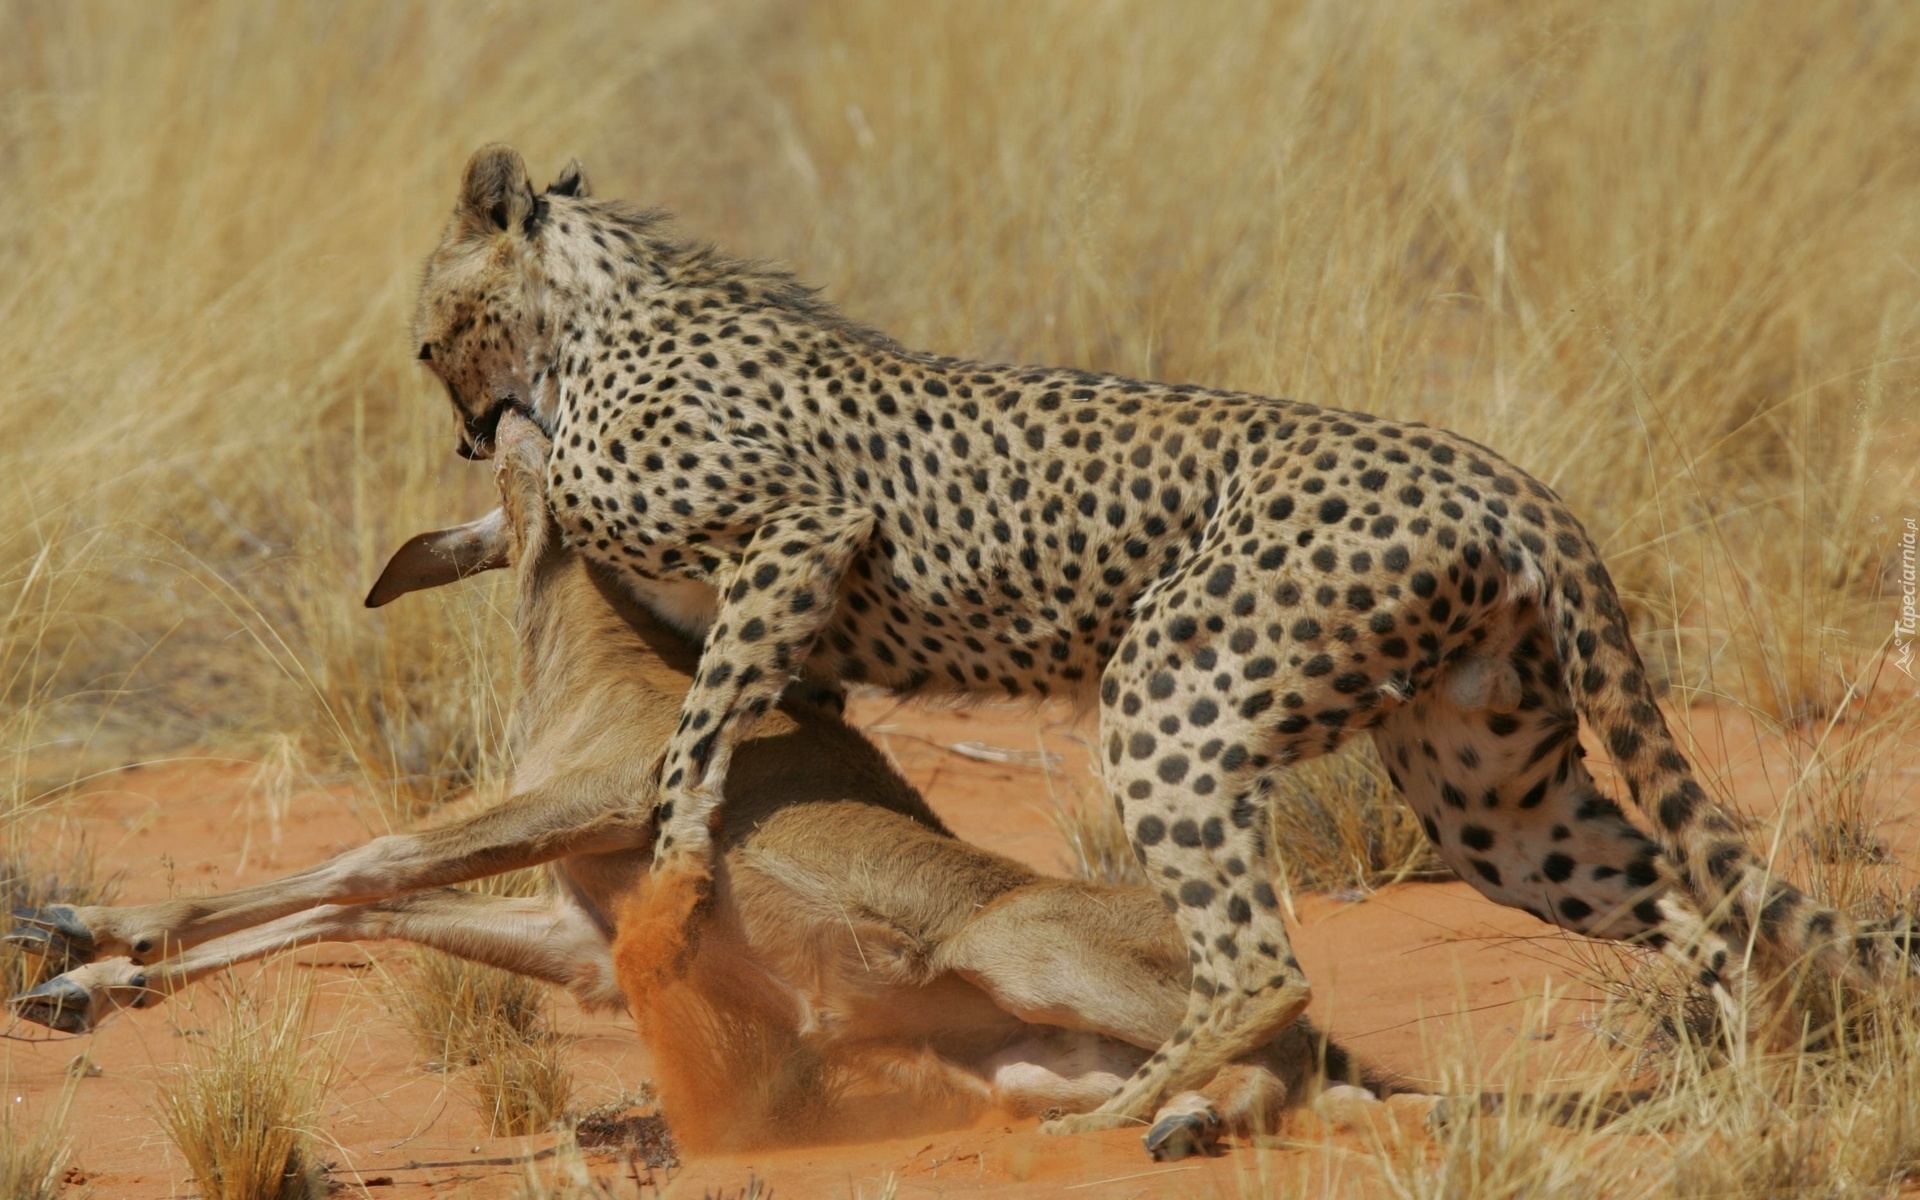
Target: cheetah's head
(478, 317)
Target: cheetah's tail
(1728, 881)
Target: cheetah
(1238, 583)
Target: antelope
(850, 930)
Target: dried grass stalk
(491, 1028)
(241, 1106)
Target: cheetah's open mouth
(476, 441)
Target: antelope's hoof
(1182, 1136)
(54, 933)
(58, 1004)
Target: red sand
(1380, 965)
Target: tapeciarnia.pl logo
(1905, 625)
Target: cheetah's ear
(572, 181)
(431, 560)
(496, 193)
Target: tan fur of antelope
(850, 931)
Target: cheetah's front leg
(768, 618)
(781, 596)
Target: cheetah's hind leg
(1187, 753)
(1496, 775)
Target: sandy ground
(1401, 975)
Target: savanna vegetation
(1663, 255)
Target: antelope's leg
(1109, 963)
(584, 812)
(1071, 957)
(547, 938)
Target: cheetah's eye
(426, 351)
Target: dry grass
(568, 1176)
(1662, 255)
(491, 1028)
(1096, 837)
(241, 1107)
(33, 1154)
(1847, 786)
(1336, 824)
(1835, 1124)
(1659, 255)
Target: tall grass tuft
(1775, 1132)
(1335, 823)
(33, 1155)
(1338, 823)
(1096, 837)
(241, 1106)
(492, 1029)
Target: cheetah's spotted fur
(1244, 582)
